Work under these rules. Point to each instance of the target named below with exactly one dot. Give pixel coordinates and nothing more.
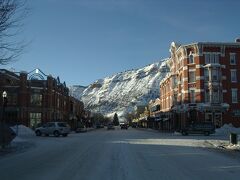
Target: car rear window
(62, 124)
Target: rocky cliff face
(122, 92)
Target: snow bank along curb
(22, 132)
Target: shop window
(35, 119)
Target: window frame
(234, 98)
(233, 71)
(230, 58)
(191, 59)
(193, 79)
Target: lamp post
(4, 96)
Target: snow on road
(120, 155)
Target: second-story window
(36, 99)
(233, 58)
(234, 95)
(233, 75)
(215, 75)
(191, 76)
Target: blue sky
(84, 40)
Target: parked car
(98, 125)
(53, 128)
(110, 126)
(199, 128)
(124, 126)
(81, 129)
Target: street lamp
(4, 96)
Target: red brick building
(37, 98)
(202, 85)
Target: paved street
(119, 155)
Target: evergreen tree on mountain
(115, 120)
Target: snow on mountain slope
(76, 91)
(123, 91)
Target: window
(211, 58)
(207, 97)
(233, 75)
(35, 119)
(207, 58)
(232, 58)
(215, 96)
(234, 96)
(36, 99)
(191, 59)
(216, 58)
(206, 74)
(192, 96)
(191, 77)
(215, 75)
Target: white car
(53, 128)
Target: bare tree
(12, 13)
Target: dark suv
(199, 128)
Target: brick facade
(38, 98)
(202, 85)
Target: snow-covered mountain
(122, 92)
(76, 91)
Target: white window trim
(212, 55)
(193, 60)
(234, 90)
(233, 70)
(230, 54)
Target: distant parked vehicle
(98, 125)
(199, 128)
(53, 128)
(124, 126)
(81, 129)
(110, 126)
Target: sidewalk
(217, 141)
